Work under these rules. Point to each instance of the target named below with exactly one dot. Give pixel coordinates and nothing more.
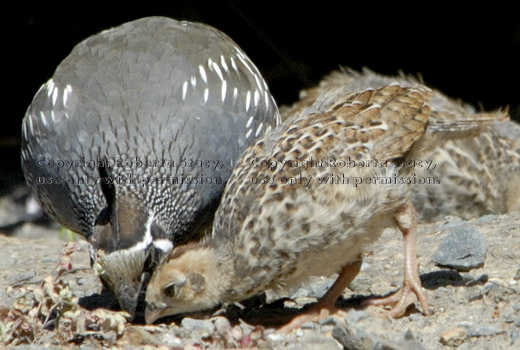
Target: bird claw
(400, 300)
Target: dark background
(471, 54)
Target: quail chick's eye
(172, 289)
(169, 290)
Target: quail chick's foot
(326, 305)
(406, 219)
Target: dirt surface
(477, 309)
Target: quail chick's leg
(326, 305)
(406, 219)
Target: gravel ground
(474, 304)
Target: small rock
(237, 332)
(410, 334)
(110, 337)
(463, 249)
(21, 278)
(308, 325)
(314, 342)
(222, 325)
(346, 337)
(484, 331)
(354, 316)
(276, 339)
(390, 345)
(193, 347)
(453, 336)
(191, 324)
(88, 347)
(171, 341)
(52, 259)
(263, 344)
(514, 336)
(455, 222)
(139, 336)
(485, 219)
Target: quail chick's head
(194, 278)
(131, 141)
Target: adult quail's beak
(127, 296)
(122, 271)
(153, 312)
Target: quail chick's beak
(153, 312)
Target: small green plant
(67, 235)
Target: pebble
(389, 345)
(308, 325)
(485, 219)
(453, 336)
(138, 336)
(171, 341)
(410, 334)
(484, 331)
(24, 277)
(463, 249)
(456, 222)
(192, 324)
(52, 259)
(514, 336)
(88, 347)
(276, 339)
(354, 316)
(346, 337)
(314, 342)
(222, 325)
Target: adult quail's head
(130, 143)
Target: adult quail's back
(180, 95)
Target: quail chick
(131, 141)
(295, 207)
(478, 175)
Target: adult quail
(478, 175)
(307, 198)
(132, 140)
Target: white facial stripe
(163, 244)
